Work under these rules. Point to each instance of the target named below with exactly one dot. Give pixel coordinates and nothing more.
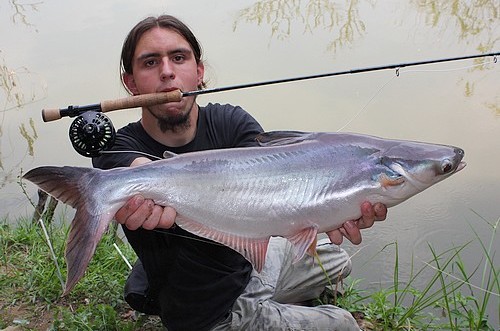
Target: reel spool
(91, 132)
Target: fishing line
(132, 152)
(398, 73)
(494, 61)
(362, 110)
(206, 241)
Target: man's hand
(351, 229)
(139, 212)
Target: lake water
(55, 54)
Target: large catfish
(294, 185)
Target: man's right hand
(139, 212)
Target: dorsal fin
(277, 138)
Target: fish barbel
(294, 185)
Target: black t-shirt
(196, 280)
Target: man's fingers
(153, 219)
(380, 211)
(167, 218)
(367, 216)
(128, 208)
(161, 217)
(137, 219)
(138, 212)
(350, 230)
(335, 236)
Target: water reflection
(477, 20)
(340, 19)
(21, 12)
(18, 87)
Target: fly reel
(91, 132)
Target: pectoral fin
(304, 242)
(387, 181)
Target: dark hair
(162, 21)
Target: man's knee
(338, 261)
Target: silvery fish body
(294, 185)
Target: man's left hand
(351, 229)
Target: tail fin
(71, 186)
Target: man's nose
(167, 70)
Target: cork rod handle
(143, 100)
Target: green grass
(31, 288)
(447, 301)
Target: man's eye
(178, 58)
(150, 63)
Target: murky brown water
(67, 53)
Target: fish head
(411, 167)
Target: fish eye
(446, 166)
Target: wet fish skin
(296, 186)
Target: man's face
(164, 61)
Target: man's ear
(129, 82)
(201, 73)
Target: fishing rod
(92, 131)
(145, 100)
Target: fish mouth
(456, 162)
(460, 166)
(459, 155)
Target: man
(190, 282)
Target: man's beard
(175, 124)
